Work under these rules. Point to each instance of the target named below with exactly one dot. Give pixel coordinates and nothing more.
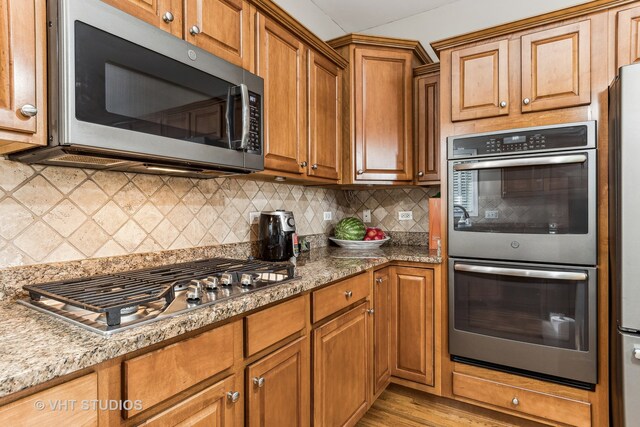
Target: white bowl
(360, 244)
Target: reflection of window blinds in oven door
(464, 190)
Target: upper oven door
(126, 86)
(539, 208)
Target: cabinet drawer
(561, 409)
(158, 375)
(64, 405)
(340, 295)
(269, 326)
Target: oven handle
(529, 161)
(520, 272)
(246, 116)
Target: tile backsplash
(52, 214)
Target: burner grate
(110, 294)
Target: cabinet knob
(420, 173)
(503, 104)
(314, 166)
(515, 401)
(360, 171)
(233, 396)
(259, 381)
(28, 110)
(194, 31)
(379, 280)
(167, 17)
(526, 101)
(304, 164)
(370, 311)
(348, 294)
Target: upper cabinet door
(22, 72)
(427, 123)
(628, 36)
(556, 67)
(383, 119)
(480, 81)
(282, 66)
(164, 14)
(325, 117)
(220, 27)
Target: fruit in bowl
(374, 233)
(350, 228)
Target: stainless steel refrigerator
(624, 253)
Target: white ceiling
(355, 16)
(423, 20)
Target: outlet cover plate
(254, 217)
(328, 216)
(405, 215)
(366, 216)
(491, 214)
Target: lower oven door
(537, 318)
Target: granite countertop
(37, 347)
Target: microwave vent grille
(93, 160)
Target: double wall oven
(522, 251)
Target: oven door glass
(548, 307)
(525, 195)
(123, 85)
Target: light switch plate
(366, 215)
(405, 216)
(254, 217)
(328, 216)
(491, 214)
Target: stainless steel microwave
(124, 95)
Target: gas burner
(112, 303)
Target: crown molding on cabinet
(379, 41)
(426, 69)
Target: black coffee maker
(278, 238)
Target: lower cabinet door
(219, 405)
(340, 369)
(412, 324)
(278, 388)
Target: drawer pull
(28, 110)
(259, 381)
(233, 396)
(348, 294)
(515, 401)
(168, 17)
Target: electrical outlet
(366, 215)
(254, 217)
(328, 216)
(405, 216)
(491, 214)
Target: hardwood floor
(402, 407)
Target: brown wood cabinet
(341, 369)
(282, 66)
(556, 67)
(340, 295)
(278, 388)
(480, 81)
(325, 117)
(164, 14)
(60, 405)
(381, 330)
(412, 324)
(378, 133)
(554, 71)
(628, 36)
(215, 406)
(426, 100)
(22, 74)
(221, 27)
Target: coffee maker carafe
(278, 238)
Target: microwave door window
(152, 93)
(541, 199)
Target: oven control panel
(522, 141)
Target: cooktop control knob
(226, 279)
(211, 282)
(246, 280)
(194, 290)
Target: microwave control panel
(523, 141)
(255, 125)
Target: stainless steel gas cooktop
(116, 302)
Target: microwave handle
(522, 272)
(528, 161)
(242, 143)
